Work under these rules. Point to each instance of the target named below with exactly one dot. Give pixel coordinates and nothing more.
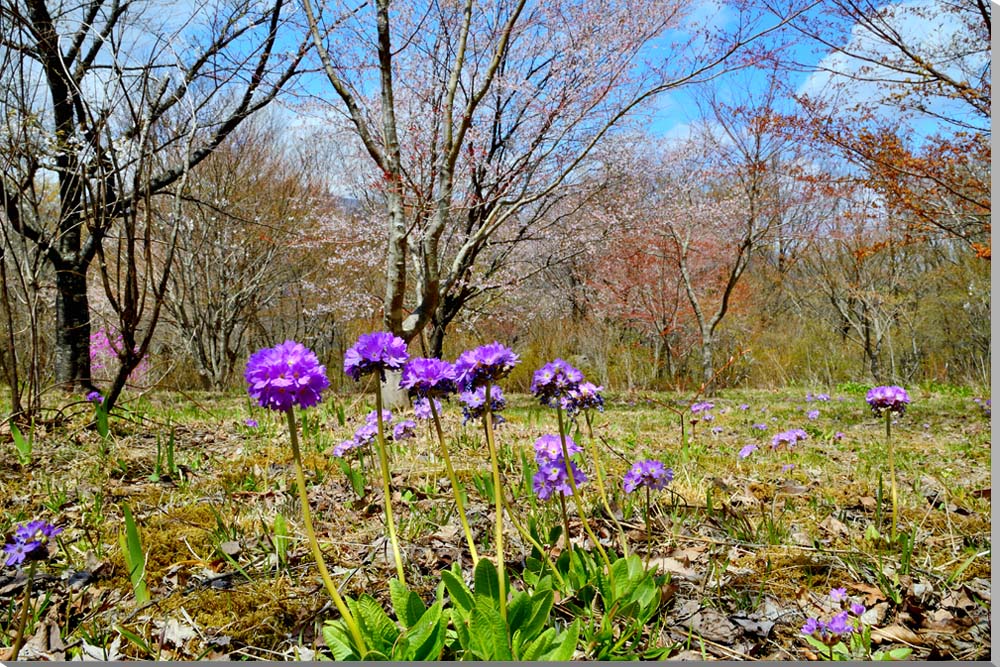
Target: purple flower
(809, 397)
(378, 351)
(586, 396)
(838, 594)
(250, 422)
(551, 478)
(787, 467)
(857, 609)
(473, 402)
(284, 376)
(95, 397)
(28, 542)
(344, 447)
(701, 407)
(422, 407)
(428, 377)
(487, 363)
(404, 430)
(744, 406)
(789, 437)
(747, 450)
(813, 414)
(891, 398)
(716, 430)
(822, 397)
(548, 448)
(366, 435)
(555, 380)
(649, 473)
(812, 626)
(372, 418)
(839, 624)
(760, 427)
(707, 416)
(838, 436)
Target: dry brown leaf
(675, 568)
(896, 633)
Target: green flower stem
(387, 488)
(498, 498)
(592, 446)
(577, 497)
(22, 621)
(544, 552)
(892, 469)
(565, 520)
(649, 534)
(300, 481)
(454, 483)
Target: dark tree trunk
(72, 346)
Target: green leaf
(459, 592)
(541, 607)
(425, 640)
(518, 610)
(102, 422)
(488, 632)
(487, 582)
(536, 648)
(408, 606)
(378, 629)
(135, 559)
(338, 640)
(567, 646)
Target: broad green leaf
(407, 604)
(459, 592)
(518, 610)
(541, 607)
(379, 631)
(338, 640)
(567, 645)
(539, 646)
(487, 582)
(488, 632)
(425, 639)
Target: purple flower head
(887, 398)
(487, 363)
(857, 609)
(404, 430)
(372, 418)
(551, 478)
(822, 397)
(422, 407)
(555, 380)
(548, 448)
(760, 427)
(840, 624)
(701, 407)
(716, 430)
(473, 404)
(285, 376)
(789, 437)
(428, 377)
(787, 467)
(586, 396)
(366, 435)
(838, 594)
(649, 473)
(747, 450)
(707, 416)
(344, 447)
(28, 542)
(375, 352)
(744, 406)
(813, 414)
(838, 436)
(809, 397)
(812, 626)
(250, 422)
(95, 397)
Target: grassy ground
(752, 546)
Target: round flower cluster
(473, 404)
(790, 437)
(549, 448)
(375, 352)
(747, 450)
(285, 376)
(29, 542)
(368, 432)
(649, 473)
(700, 412)
(587, 396)
(95, 397)
(428, 377)
(555, 380)
(487, 363)
(888, 398)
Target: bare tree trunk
(72, 359)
